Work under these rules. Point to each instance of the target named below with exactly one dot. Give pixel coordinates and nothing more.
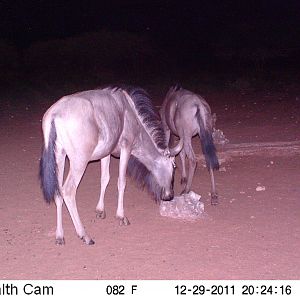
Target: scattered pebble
(260, 188)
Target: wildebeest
(96, 124)
(186, 114)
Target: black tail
(207, 144)
(48, 168)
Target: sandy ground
(249, 235)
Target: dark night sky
(270, 23)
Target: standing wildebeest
(185, 115)
(94, 125)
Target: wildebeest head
(164, 172)
(158, 177)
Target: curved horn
(175, 150)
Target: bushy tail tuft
(48, 168)
(207, 144)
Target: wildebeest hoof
(101, 214)
(60, 241)
(185, 191)
(87, 240)
(123, 221)
(183, 180)
(214, 199)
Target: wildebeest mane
(146, 112)
(143, 177)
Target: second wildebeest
(186, 114)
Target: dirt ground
(249, 235)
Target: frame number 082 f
(120, 289)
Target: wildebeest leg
(124, 157)
(77, 169)
(183, 171)
(60, 161)
(214, 194)
(105, 176)
(192, 165)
